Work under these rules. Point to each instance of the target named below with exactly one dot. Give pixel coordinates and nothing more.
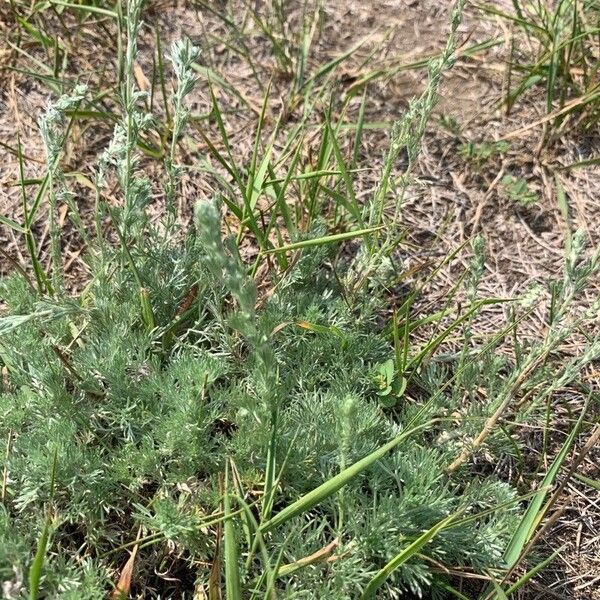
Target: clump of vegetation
(518, 190)
(561, 55)
(142, 426)
(480, 153)
(173, 429)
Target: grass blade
(330, 239)
(330, 487)
(534, 513)
(88, 8)
(35, 572)
(532, 572)
(403, 556)
(232, 569)
(12, 224)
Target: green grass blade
(455, 593)
(35, 33)
(593, 483)
(256, 177)
(352, 203)
(41, 279)
(518, 20)
(500, 594)
(330, 487)
(303, 176)
(212, 77)
(400, 558)
(12, 224)
(270, 469)
(358, 134)
(532, 572)
(332, 64)
(581, 163)
(87, 8)
(563, 205)
(435, 342)
(338, 237)
(535, 512)
(232, 570)
(12, 322)
(35, 571)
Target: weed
(518, 190)
(480, 153)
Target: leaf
(408, 552)
(330, 487)
(232, 570)
(87, 8)
(500, 594)
(593, 483)
(37, 34)
(146, 309)
(338, 237)
(387, 370)
(324, 330)
(124, 585)
(535, 512)
(12, 322)
(326, 68)
(351, 204)
(533, 572)
(400, 386)
(388, 400)
(563, 205)
(385, 391)
(35, 571)
(12, 224)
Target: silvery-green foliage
(143, 431)
(226, 266)
(143, 423)
(53, 123)
(53, 127)
(223, 262)
(183, 55)
(406, 136)
(134, 24)
(122, 151)
(407, 132)
(578, 267)
(112, 155)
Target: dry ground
(451, 199)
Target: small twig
(324, 554)
(491, 422)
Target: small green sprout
(390, 386)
